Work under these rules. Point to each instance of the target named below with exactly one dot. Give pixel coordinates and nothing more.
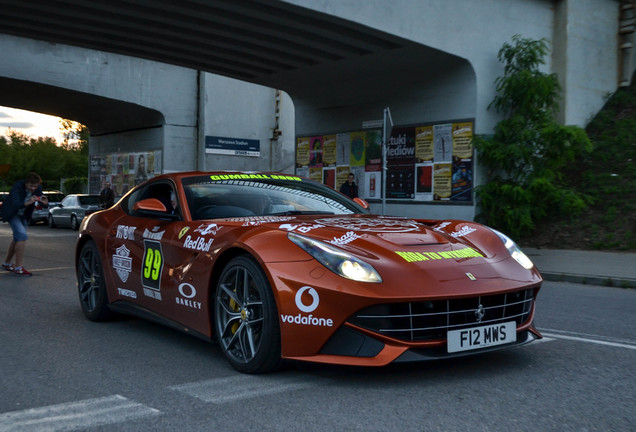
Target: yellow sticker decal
(183, 231)
(254, 176)
(427, 256)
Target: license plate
(481, 337)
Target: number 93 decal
(152, 265)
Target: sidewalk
(586, 267)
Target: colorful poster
(462, 181)
(316, 151)
(443, 139)
(423, 162)
(123, 170)
(424, 182)
(463, 140)
(329, 150)
(442, 181)
(424, 144)
(302, 152)
(357, 148)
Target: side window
(67, 201)
(162, 191)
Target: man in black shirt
(350, 188)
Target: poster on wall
(122, 170)
(343, 143)
(400, 182)
(315, 173)
(463, 140)
(424, 182)
(329, 150)
(373, 150)
(442, 181)
(425, 162)
(401, 147)
(356, 158)
(462, 180)
(424, 144)
(302, 152)
(372, 186)
(443, 141)
(329, 177)
(315, 157)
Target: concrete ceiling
(267, 42)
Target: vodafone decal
(302, 319)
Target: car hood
(390, 231)
(442, 255)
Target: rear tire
(246, 318)
(74, 223)
(91, 284)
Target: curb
(590, 280)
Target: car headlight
(514, 250)
(336, 260)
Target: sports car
(280, 268)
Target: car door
(143, 258)
(62, 214)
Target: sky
(30, 123)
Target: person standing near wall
(106, 196)
(17, 210)
(350, 188)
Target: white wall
(235, 109)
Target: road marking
(75, 415)
(595, 339)
(230, 389)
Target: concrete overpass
(164, 74)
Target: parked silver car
(41, 214)
(72, 210)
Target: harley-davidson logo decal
(122, 263)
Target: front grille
(430, 320)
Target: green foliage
(44, 156)
(526, 156)
(75, 185)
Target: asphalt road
(61, 372)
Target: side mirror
(361, 202)
(150, 204)
(152, 207)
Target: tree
(44, 156)
(75, 135)
(525, 158)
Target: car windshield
(89, 200)
(239, 195)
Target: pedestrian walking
(17, 210)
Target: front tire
(246, 318)
(74, 223)
(91, 284)
(50, 221)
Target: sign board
(232, 146)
